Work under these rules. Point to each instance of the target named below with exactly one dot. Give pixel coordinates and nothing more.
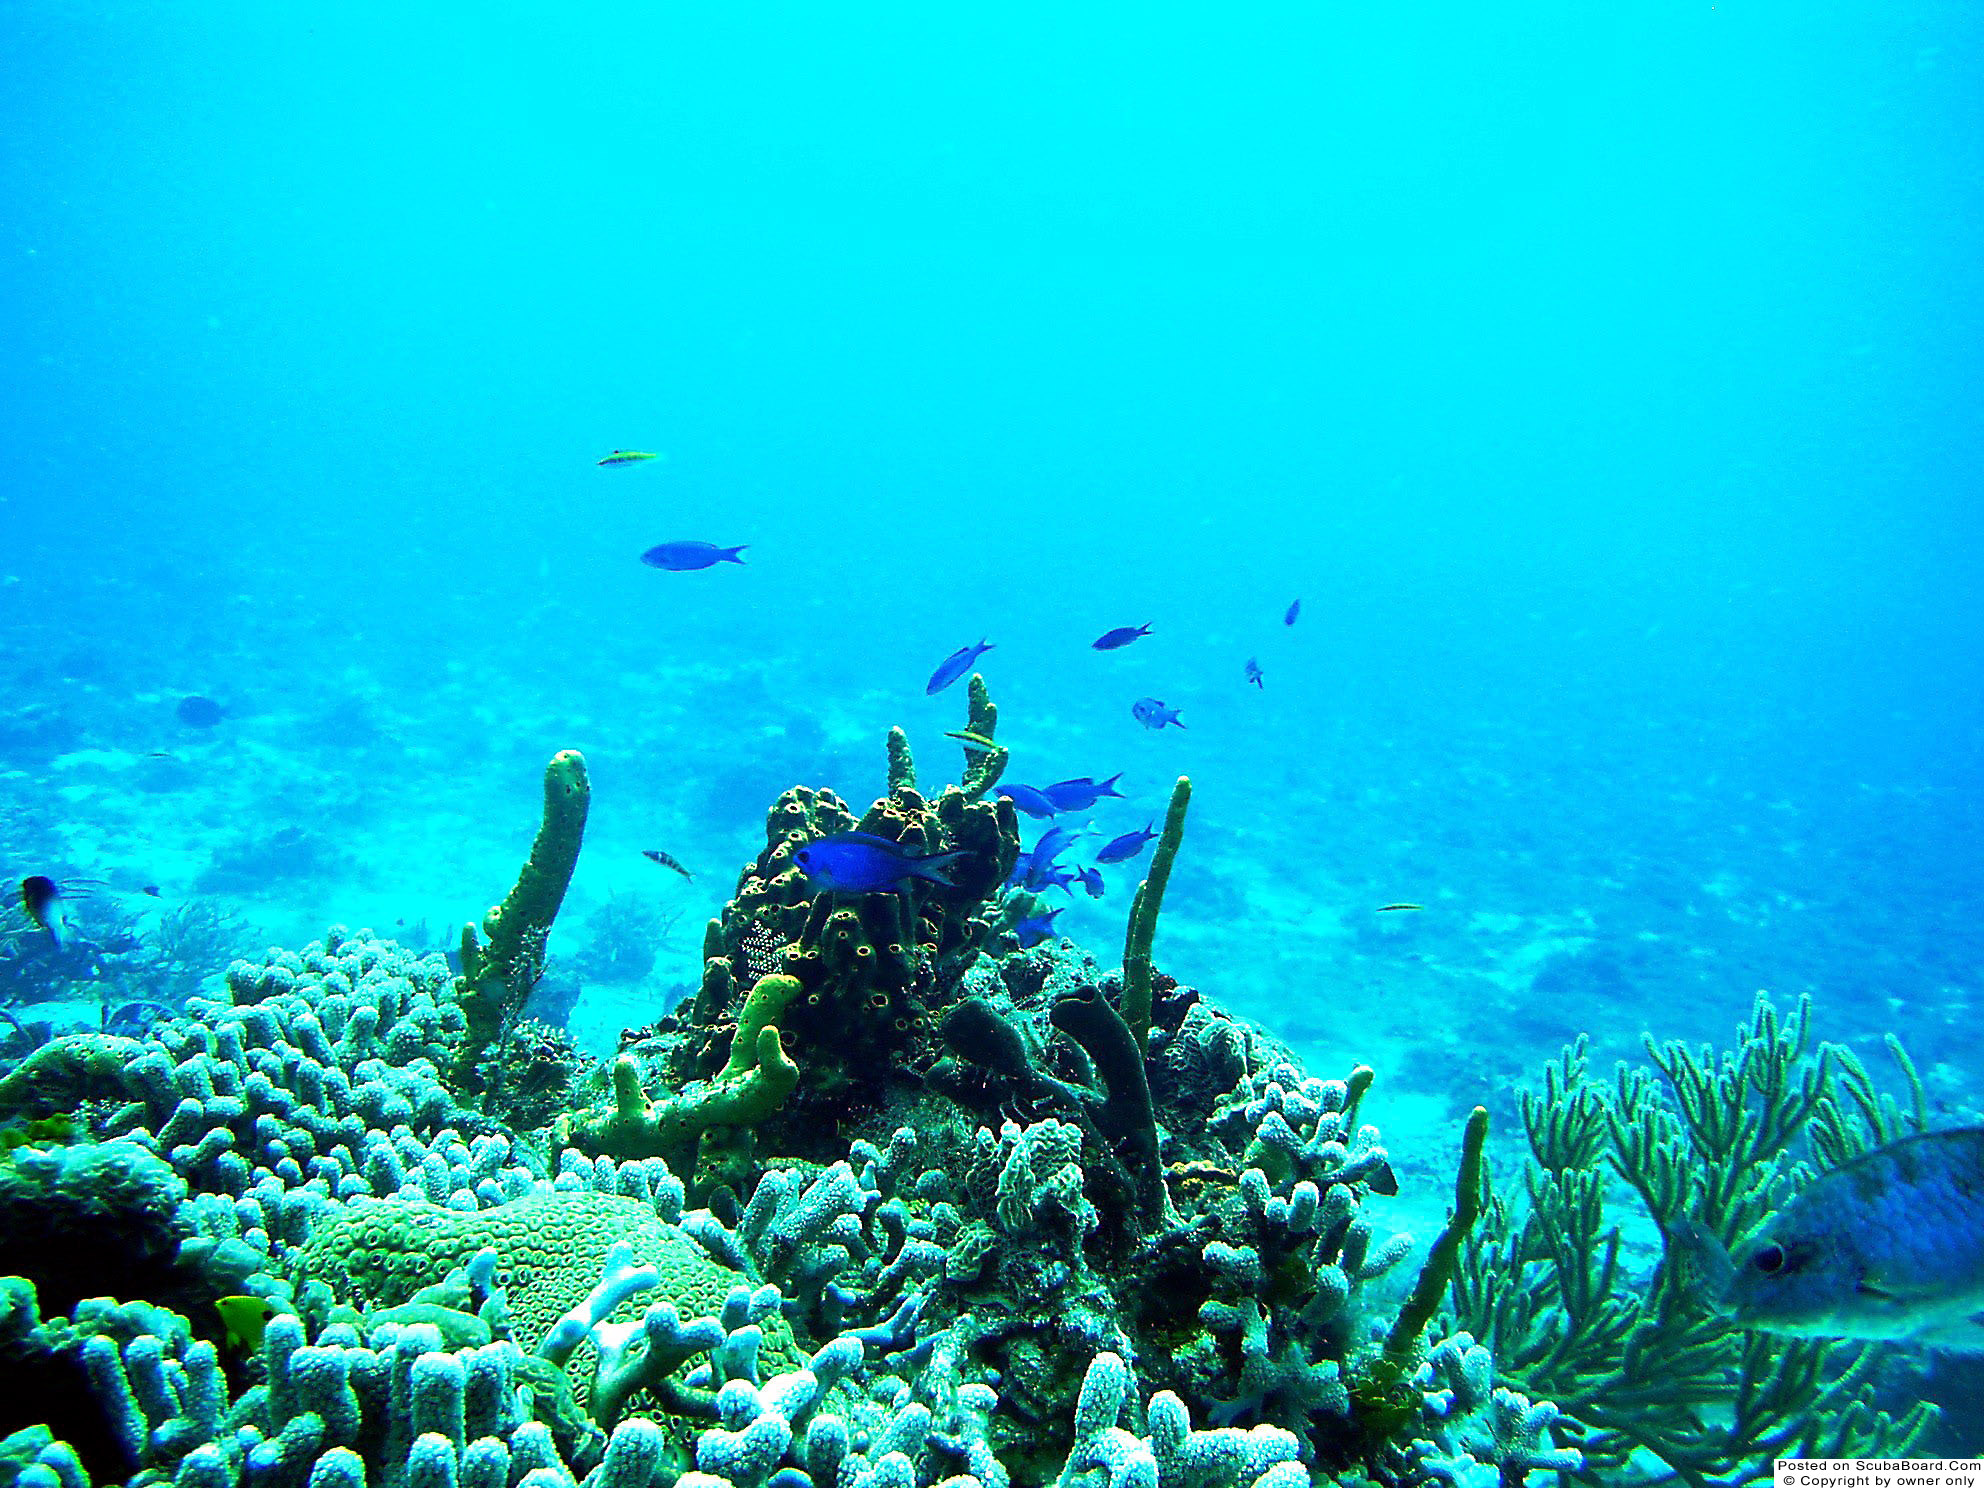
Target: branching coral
(1642, 1365)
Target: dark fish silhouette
(1152, 714)
(627, 457)
(656, 855)
(1121, 636)
(1292, 614)
(199, 712)
(1253, 676)
(1388, 908)
(45, 902)
(687, 557)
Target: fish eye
(1769, 1260)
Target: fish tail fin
(730, 554)
(932, 868)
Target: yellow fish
(974, 742)
(244, 1318)
(629, 457)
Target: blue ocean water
(1603, 383)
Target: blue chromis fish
(245, 1319)
(1053, 842)
(1122, 849)
(1887, 1246)
(1122, 635)
(954, 666)
(41, 899)
(1037, 875)
(1080, 793)
(1090, 878)
(1032, 930)
(687, 557)
(1254, 674)
(1035, 803)
(627, 457)
(862, 863)
(1152, 714)
(1292, 613)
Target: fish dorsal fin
(869, 839)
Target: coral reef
(885, 1203)
(869, 974)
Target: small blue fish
(1034, 929)
(861, 863)
(1036, 869)
(1080, 793)
(1122, 849)
(1053, 842)
(1025, 798)
(686, 557)
(1152, 714)
(1253, 676)
(1091, 879)
(1293, 613)
(955, 666)
(1121, 636)
(1041, 877)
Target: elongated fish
(1888, 1246)
(656, 855)
(627, 457)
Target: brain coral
(550, 1248)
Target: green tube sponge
(1470, 1186)
(668, 1128)
(498, 972)
(762, 1006)
(902, 765)
(1143, 915)
(982, 767)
